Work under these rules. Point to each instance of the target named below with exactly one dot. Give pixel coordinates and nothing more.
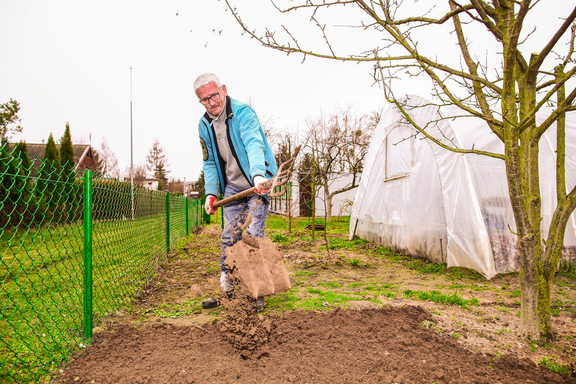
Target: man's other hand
(258, 180)
(210, 199)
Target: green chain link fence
(74, 251)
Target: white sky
(69, 61)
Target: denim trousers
(235, 215)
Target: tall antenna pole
(131, 150)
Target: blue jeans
(235, 215)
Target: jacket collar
(229, 112)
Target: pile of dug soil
(386, 345)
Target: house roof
(83, 156)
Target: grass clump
(303, 273)
(567, 269)
(355, 262)
(343, 242)
(326, 300)
(331, 284)
(284, 301)
(460, 273)
(552, 364)
(437, 297)
(424, 266)
(279, 238)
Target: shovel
(281, 178)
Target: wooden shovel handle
(219, 203)
(238, 196)
(265, 185)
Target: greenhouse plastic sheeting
(427, 201)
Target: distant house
(189, 190)
(83, 156)
(151, 184)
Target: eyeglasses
(213, 97)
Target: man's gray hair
(205, 79)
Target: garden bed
(356, 313)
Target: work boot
(216, 302)
(210, 303)
(259, 304)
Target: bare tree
(287, 143)
(268, 124)
(106, 161)
(493, 80)
(340, 142)
(140, 174)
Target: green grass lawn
(42, 285)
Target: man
(236, 157)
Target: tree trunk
(328, 207)
(313, 202)
(524, 188)
(289, 205)
(535, 315)
(535, 274)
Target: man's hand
(258, 180)
(210, 199)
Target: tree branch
(536, 64)
(438, 142)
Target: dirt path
(367, 325)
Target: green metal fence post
(187, 218)
(167, 222)
(197, 218)
(88, 255)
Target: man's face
(208, 93)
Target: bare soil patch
(378, 337)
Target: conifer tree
(20, 154)
(200, 183)
(67, 162)
(10, 179)
(157, 164)
(66, 149)
(49, 175)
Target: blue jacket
(247, 142)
